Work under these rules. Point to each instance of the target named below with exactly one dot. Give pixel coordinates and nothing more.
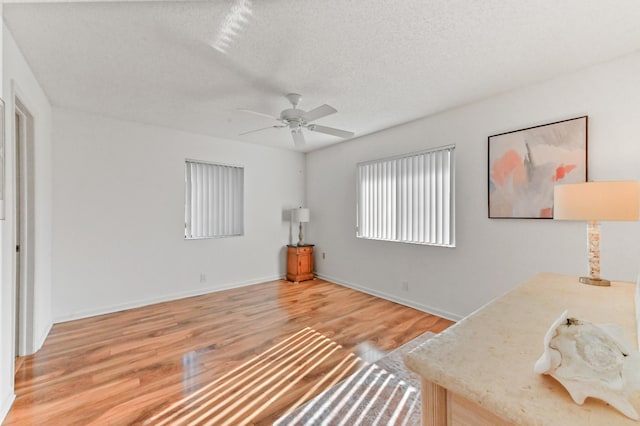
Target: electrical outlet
(405, 285)
(203, 278)
(323, 255)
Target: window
(214, 197)
(409, 198)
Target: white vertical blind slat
(201, 198)
(226, 205)
(379, 194)
(369, 203)
(420, 198)
(239, 194)
(400, 189)
(417, 177)
(376, 201)
(212, 180)
(217, 212)
(365, 207)
(405, 200)
(383, 199)
(435, 198)
(394, 198)
(390, 196)
(211, 202)
(362, 201)
(231, 210)
(193, 199)
(446, 204)
(187, 202)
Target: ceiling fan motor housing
(292, 117)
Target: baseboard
(419, 306)
(40, 340)
(199, 292)
(161, 299)
(7, 401)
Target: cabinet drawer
(304, 249)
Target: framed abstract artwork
(525, 165)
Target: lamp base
(595, 281)
(300, 242)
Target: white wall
(494, 255)
(119, 215)
(18, 79)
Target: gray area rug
(381, 393)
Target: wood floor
(242, 356)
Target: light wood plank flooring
(242, 356)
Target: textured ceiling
(191, 65)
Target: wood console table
(480, 370)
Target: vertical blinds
(408, 198)
(214, 200)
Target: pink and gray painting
(525, 165)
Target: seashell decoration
(591, 360)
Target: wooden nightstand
(300, 263)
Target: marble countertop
(488, 357)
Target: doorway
(23, 203)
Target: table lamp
(594, 202)
(300, 215)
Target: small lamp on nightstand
(300, 215)
(594, 202)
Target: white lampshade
(597, 201)
(300, 215)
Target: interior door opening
(23, 229)
(19, 120)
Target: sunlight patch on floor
(243, 393)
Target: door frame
(23, 151)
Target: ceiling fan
(295, 119)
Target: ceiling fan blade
(257, 130)
(261, 114)
(298, 137)
(321, 111)
(330, 131)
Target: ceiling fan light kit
(297, 119)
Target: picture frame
(524, 165)
(3, 159)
